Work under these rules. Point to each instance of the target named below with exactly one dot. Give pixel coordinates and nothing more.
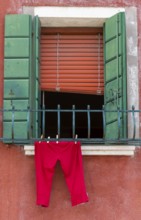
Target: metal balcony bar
(30, 138)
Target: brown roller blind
(72, 60)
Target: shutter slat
(69, 54)
(69, 76)
(62, 67)
(73, 73)
(71, 49)
(78, 80)
(82, 86)
(72, 41)
(72, 58)
(82, 90)
(69, 37)
(77, 45)
(70, 63)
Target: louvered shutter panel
(115, 75)
(72, 60)
(17, 73)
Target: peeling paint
(132, 50)
(132, 74)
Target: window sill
(99, 150)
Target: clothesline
(57, 138)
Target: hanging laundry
(69, 154)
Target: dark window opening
(66, 101)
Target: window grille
(88, 111)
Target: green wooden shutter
(115, 75)
(18, 75)
(35, 86)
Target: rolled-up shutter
(72, 60)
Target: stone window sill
(96, 150)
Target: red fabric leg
(71, 162)
(45, 161)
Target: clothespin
(42, 136)
(76, 136)
(57, 138)
(48, 139)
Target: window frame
(96, 16)
(130, 51)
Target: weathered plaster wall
(113, 185)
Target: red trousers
(70, 157)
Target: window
(72, 73)
(21, 74)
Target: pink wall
(113, 183)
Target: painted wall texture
(113, 183)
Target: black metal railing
(30, 137)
